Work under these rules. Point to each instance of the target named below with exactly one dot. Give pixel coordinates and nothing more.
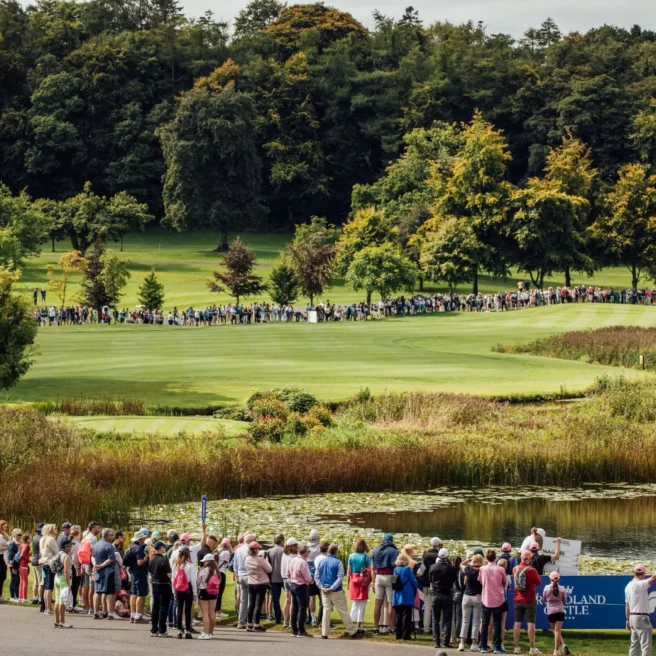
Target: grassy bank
(618, 346)
(392, 442)
(218, 366)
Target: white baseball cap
(292, 542)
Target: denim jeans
(471, 614)
(442, 615)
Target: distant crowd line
(326, 311)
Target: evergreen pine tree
(151, 293)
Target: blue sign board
(593, 602)
(203, 508)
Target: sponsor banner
(592, 602)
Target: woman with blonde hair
(403, 601)
(289, 552)
(48, 551)
(13, 549)
(208, 584)
(472, 606)
(359, 576)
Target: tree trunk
(421, 283)
(541, 279)
(475, 281)
(635, 276)
(75, 242)
(368, 298)
(53, 244)
(223, 240)
(568, 277)
(121, 243)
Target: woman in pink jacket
(258, 570)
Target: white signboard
(313, 317)
(568, 562)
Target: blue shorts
(48, 577)
(139, 587)
(104, 581)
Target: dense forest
(296, 111)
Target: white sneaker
(65, 626)
(224, 615)
(517, 650)
(79, 609)
(534, 650)
(461, 647)
(205, 636)
(114, 616)
(13, 600)
(385, 630)
(48, 612)
(475, 648)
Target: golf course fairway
(222, 365)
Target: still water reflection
(620, 528)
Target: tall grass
(399, 442)
(619, 346)
(80, 407)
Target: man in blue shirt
(103, 559)
(136, 560)
(329, 576)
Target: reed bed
(407, 443)
(619, 346)
(81, 407)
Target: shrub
(269, 407)
(295, 425)
(267, 428)
(322, 414)
(295, 399)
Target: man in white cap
(636, 596)
(442, 575)
(136, 560)
(537, 535)
(427, 561)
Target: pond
(607, 527)
(616, 523)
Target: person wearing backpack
(13, 551)
(61, 567)
(403, 599)
(159, 569)
(184, 587)
(526, 579)
(208, 584)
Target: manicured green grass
(164, 426)
(201, 366)
(185, 261)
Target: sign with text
(203, 508)
(568, 562)
(591, 602)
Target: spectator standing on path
(24, 567)
(289, 553)
(403, 600)
(241, 574)
(359, 576)
(274, 555)
(48, 551)
(136, 560)
(472, 605)
(184, 576)
(159, 569)
(103, 559)
(258, 569)
(493, 581)
(442, 576)
(314, 545)
(636, 597)
(61, 567)
(208, 584)
(526, 581)
(13, 548)
(427, 561)
(37, 587)
(300, 579)
(329, 577)
(225, 552)
(384, 561)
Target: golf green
(201, 366)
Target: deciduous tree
(383, 269)
(283, 282)
(69, 264)
(238, 279)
